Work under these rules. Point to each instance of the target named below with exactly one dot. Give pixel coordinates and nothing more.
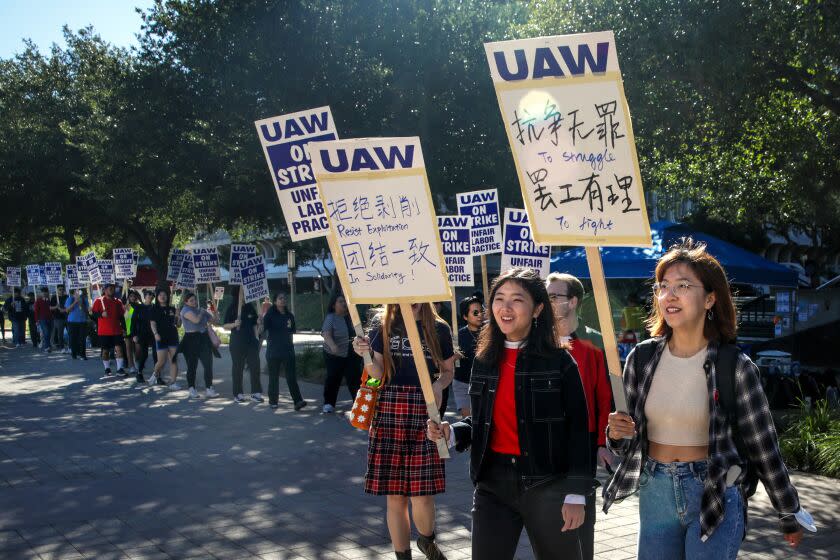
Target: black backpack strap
(725, 381)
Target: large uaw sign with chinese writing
(254, 279)
(52, 273)
(13, 276)
(382, 218)
(519, 249)
(286, 143)
(206, 265)
(455, 240)
(124, 264)
(239, 253)
(567, 120)
(483, 206)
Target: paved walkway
(93, 468)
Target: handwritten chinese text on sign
(380, 211)
(568, 124)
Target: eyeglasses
(555, 298)
(476, 313)
(680, 289)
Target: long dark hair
(540, 339)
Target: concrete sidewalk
(93, 468)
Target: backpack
(727, 357)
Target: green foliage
(310, 363)
(812, 440)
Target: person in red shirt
(109, 312)
(566, 293)
(43, 318)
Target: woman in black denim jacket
(528, 432)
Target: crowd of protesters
(531, 393)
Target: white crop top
(677, 406)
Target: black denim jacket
(552, 414)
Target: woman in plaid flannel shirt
(680, 454)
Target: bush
(812, 441)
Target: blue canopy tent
(741, 266)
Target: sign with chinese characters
(176, 261)
(382, 218)
(186, 275)
(72, 278)
(52, 273)
(106, 271)
(254, 279)
(455, 240)
(568, 124)
(239, 253)
(519, 249)
(35, 275)
(206, 265)
(125, 266)
(483, 207)
(13, 276)
(286, 142)
(219, 293)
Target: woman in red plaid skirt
(402, 463)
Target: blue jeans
(46, 330)
(669, 515)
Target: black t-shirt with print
(405, 372)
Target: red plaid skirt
(401, 460)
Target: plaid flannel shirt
(754, 422)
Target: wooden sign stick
(423, 373)
(602, 303)
(484, 280)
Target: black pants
(78, 332)
(274, 363)
(501, 507)
(141, 353)
(587, 530)
(348, 368)
(195, 346)
(34, 335)
(240, 356)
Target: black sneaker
(300, 404)
(274, 406)
(140, 378)
(122, 372)
(107, 371)
(160, 381)
(428, 547)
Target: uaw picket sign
(85, 263)
(519, 249)
(176, 261)
(455, 241)
(383, 231)
(483, 207)
(381, 214)
(72, 277)
(206, 265)
(239, 253)
(106, 271)
(52, 274)
(13, 276)
(287, 143)
(124, 264)
(254, 279)
(566, 117)
(35, 275)
(186, 275)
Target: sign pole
(602, 303)
(484, 280)
(423, 372)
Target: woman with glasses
(676, 445)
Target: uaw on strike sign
(286, 142)
(568, 124)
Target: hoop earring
(710, 315)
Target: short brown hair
(723, 324)
(574, 285)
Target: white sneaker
(174, 386)
(211, 393)
(257, 397)
(240, 398)
(153, 380)
(328, 409)
(193, 393)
